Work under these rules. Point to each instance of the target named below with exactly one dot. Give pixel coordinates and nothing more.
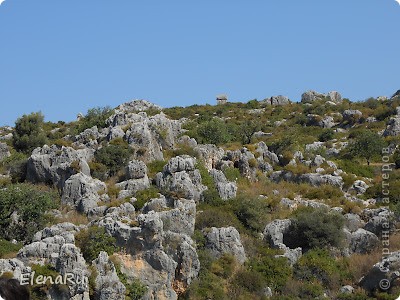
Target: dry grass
(360, 264)
(72, 217)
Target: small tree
(247, 129)
(367, 144)
(28, 133)
(214, 131)
(114, 156)
(96, 116)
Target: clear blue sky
(62, 57)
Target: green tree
(23, 210)
(214, 131)
(247, 129)
(28, 132)
(367, 144)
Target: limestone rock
(225, 240)
(4, 151)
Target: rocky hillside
(268, 199)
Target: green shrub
(318, 264)
(94, 117)
(114, 156)
(253, 213)
(356, 168)
(216, 217)
(98, 170)
(315, 228)
(326, 135)
(28, 133)
(41, 291)
(7, 248)
(29, 204)
(274, 270)
(367, 144)
(232, 174)
(155, 167)
(144, 196)
(16, 165)
(94, 240)
(214, 131)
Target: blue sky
(63, 57)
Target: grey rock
(81, 191)
(115, 132)
(335, 96)
(353, 222)
(180, 218)
(225, 240)
(137, 106)
(363, 241)
(393, 127)
(311, 96)
(180, 163)
(130, 187)
(226, 189)
(108, 285)
(277, 100)
(274, 232)
(4, 151)
(385, 271)
(359, 186)
(14, 265)
(347, 289)
(210, 155)
(54, 165)
(351, 114)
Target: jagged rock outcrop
(225, 240)
(277, 100)
(147, 135)
(137, 180)
(313, 179)
(267, 155)
(51, 164)
(4, 151)
(311, 96)
(107, 284)
(225, 188)
(353, 222)
(81, 191)
(210, 154)
(180, 177)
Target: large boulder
(14, 266)
(275, 231)
(225, 188)
(136, 169)
(225, 240)
(210, 154)
(81, 191)
(363, 241)
(137, 180)
(55, 165)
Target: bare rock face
(108, 285)
(137, 106)
(55, 165)
(314, 179)
(15, 266)
(311, 96)
(210, 154)
(225, 240)
(137, 180)
(179, 176)
(81, 192)
(274, 232)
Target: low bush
(93, 240)
(114, 156)
(8, 249)
(144, 196)
(315, 228)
